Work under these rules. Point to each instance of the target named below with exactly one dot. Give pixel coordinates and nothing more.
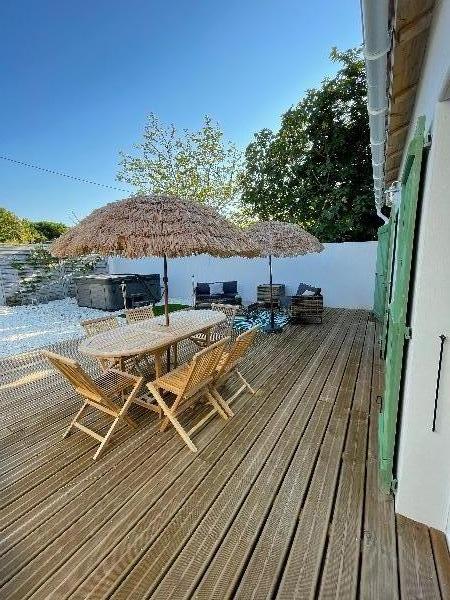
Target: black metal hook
(442, 337)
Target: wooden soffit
(412, 21)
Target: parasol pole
(272, 316)
(166, 291)
(166, 306)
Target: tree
(191, 164)
(14, 230)
(49, 230)
(316, 170)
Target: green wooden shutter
(397, 330)
(379, 300)
(389, 277)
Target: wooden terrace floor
(280, 502)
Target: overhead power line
(52, 172)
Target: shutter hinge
(408, 333)
(394, 485)
(379, 401)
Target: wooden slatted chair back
(230, 310)
(238, 350)
(141, 313)
(203, 367)
(75, 374)
(94, 326)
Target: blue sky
(78, 79)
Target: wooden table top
(151, 335)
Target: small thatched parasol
(275, 238)
(163, 226)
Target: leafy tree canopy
(49, 230)
(14, 230)
(316, 170)
(199, 165)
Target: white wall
(345, 272)
(424, 456)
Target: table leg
(158, 365)
(208, 336)
(175, 354)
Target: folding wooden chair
(100, 325)
(141, 313)
(94, 326)
(229, 362)
(222, 330)
(189, 383)
(102, 393)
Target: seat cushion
(303, 287)
(230, 287)
(202, 289)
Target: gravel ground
(24, 328)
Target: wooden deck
(280, 502)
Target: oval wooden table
(151, 336)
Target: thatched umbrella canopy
(163, 226)
(275, 238)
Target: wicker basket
(307, 307)
(263, 293)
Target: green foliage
(198, 165)
(316, 170)
(49, 230)
(14, 230)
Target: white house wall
(424, 456)
(345, 272)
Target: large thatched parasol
(275, 238)
(163, 226)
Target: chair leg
(75, 419)
(222, 402)
(171, 417)
(217, 406)
(245, 382)
(106, 438)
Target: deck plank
(341, 566)
(302, 570)
(156, 501)
(378, 578)
(181, 580)
(418, 577)
(280, 501)
(442, 560)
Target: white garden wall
(345, 272)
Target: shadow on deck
(281, 501)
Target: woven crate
(307, 307)
(263, 292)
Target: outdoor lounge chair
(230, 361)
(104, 393)
(222, 330)
(141, 313)
(227, 292)
(189, 383)
(307, 303)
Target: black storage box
(105, 291)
